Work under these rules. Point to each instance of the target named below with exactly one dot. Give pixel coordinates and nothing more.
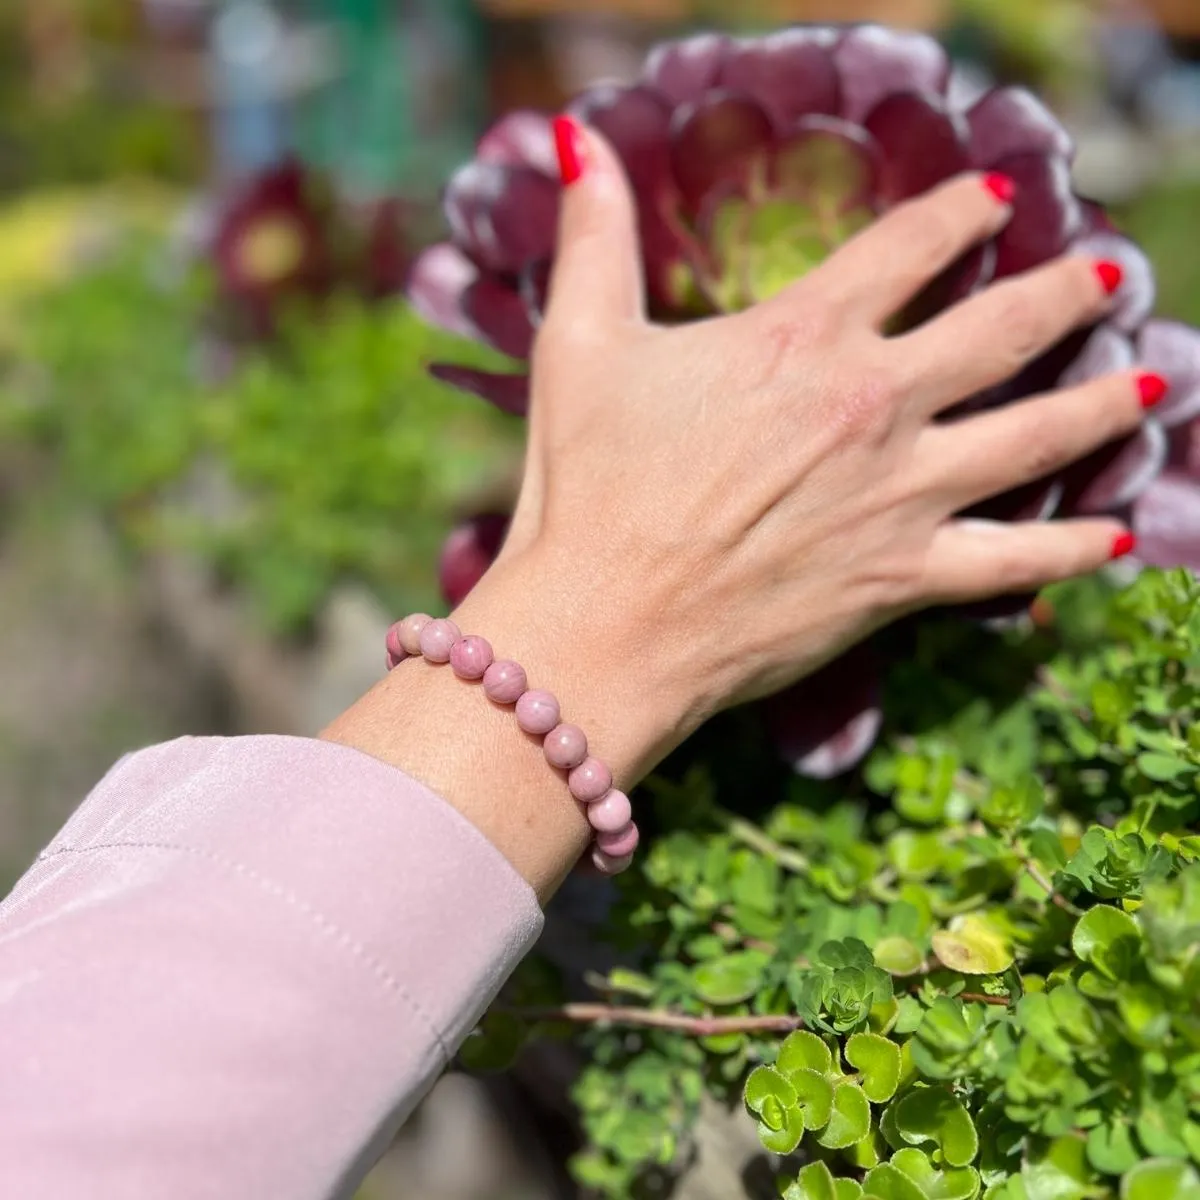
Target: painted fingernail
(1122, 544)
(1151, 388)
(568, 142)
(1110, 275)
(1001, 186)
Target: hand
(748, 496)
(711, 511)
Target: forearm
(611, 677)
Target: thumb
(598, 270)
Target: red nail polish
(1001, 186)
(1123, 544)
(1152, 388)
(569, 144)
(1110, 275)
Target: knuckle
(867, 404)
(931, 228)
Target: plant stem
(751, 835)
(1035, 873)
(659, 1018)
(980, 998)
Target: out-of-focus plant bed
(328, 456)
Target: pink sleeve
(237, 969)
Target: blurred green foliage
(329, 455)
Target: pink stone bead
(565, 746)
(611, 814)
(606, 864)
(505, 682)
(471, 657)
(538, 712)
(395, 647)
(620, 843)
(410, 632)
(437, 640)
(590, 781)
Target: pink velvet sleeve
(237, 969)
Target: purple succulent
(752, 160)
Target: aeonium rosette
(752, 160)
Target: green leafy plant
(973, 972)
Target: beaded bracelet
(565, 746)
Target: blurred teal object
(408, 98)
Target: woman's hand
(754, 493)
(711, 511)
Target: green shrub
(975, 970)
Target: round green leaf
(972, 946)
(1109, 940)
(766, 1083)
(815, 1182)
(847, 1189)
(850, 1120)
(1161, 1179)
(960, 1183)
(934, 1115)
(898, 956)
(815, 1094)
(1111, 1149)
(878, 1061)
(804, 1049)
(890, 1183)
(731, 979)
(787, 1137)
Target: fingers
(982, 456)
(876, 273)
(976, 560)
(990, 337)
(597, 273)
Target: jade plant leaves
(898, 956)
(816, 1182)
(850, 1120)
(878, 1061)
(973, 946)
(1108, 939)
(815, 1096)
(934, 1115)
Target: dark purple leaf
(791, 74)
(1116, 475)
(503, 217)
(722, 140)
(1166, 519)
(437, 282)
(1010, 121)
(1172, 349)
(873, 62)
(497, 311)
(509, 393)
(467, 554)
(920, 144)
(684, 70)
(1045, 216)
(825, 724)
(522, 138)
(1106, 352)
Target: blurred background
(212, 496)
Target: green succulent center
(794, 212)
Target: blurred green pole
(409, 96)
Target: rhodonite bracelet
(565, 746)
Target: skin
(712, 511)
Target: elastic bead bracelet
(564, 745)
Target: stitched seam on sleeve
(326, 927)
